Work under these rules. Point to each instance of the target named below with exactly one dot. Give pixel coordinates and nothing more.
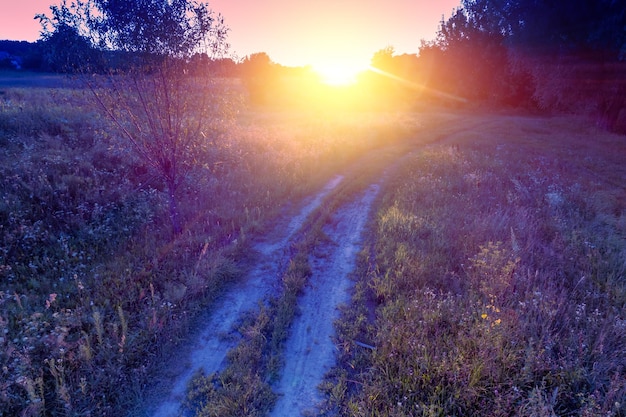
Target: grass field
(492, 283)
(96, 291)
(494, 280)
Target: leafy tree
(25, 54)
(473, 58)
(562, 55)
(579, 59)
(167, 117)
(553, 25)
(394, 79)
(65, 50)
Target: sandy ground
(310, 351)
(210, 346)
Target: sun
(339, 73)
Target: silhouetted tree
(473, 59)
(396, 79)
(560, 54)
(64, 50)
(168, 117)
(18, 55)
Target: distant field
(32, 79)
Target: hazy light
(336, 75)
(419, 87)
(340, 71)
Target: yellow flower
(484, 315)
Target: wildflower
(51, 299)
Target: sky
(293, 32)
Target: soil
(309, 352)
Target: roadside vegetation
(96, 288)
(493, 282)
(245, 386)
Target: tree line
(548, 55)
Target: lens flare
(339, 73)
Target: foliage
(551, 25)
(163, 28)
(259, 75)
(152, 101)
(557, 56)
(66, 51)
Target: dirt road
(309, 351)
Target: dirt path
(213, 343)
(310, 351)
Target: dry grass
(494, 282)
(96, 290)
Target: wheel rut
(210, 345)
(309, 350)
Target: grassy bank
(494, 280)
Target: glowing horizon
(340, 70)
(346, 33)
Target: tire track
(210, 347)
(310, 351)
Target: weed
(484, 275)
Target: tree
(579, 60)
(166, 116)
(552, 25)
(559, 54)
(66, 51)
(473, 57)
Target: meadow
(96, 290)
(492, 281)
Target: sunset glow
(339, 73)
(293, 33)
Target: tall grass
(494, 282)
(96, 292)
